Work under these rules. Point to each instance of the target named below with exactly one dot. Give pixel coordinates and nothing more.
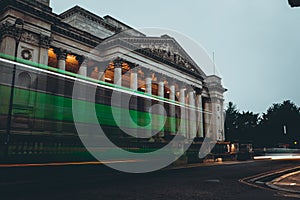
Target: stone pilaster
(216, 92)
(44, 43)
(9, 33)
(200, 133)
(61, 56)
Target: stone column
(172, 119)
(83, 61)
(118, 96)
(134, 99)
(192, 115)
(200, 133)
(172, 91)
(61, 57)
(148, 82)
(147, 102)
(161, 93)
(102, 66)
(161, 87)
(118, 72)
(134, 78)
(183, 120)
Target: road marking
(213, 181)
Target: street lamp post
(18, 30)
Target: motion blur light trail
(278, 157)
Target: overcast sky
(256, 43)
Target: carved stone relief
(168, 52)
(30, 38)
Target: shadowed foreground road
(93, 182)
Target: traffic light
(294, 3)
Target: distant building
(65, 41)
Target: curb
(254, 180)
(272, 184)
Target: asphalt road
(94, 182)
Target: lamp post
(18, 27)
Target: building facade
(159, 66)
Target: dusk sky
(256, 43)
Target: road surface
(93, 182)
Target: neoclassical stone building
(155, 65)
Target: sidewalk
(289, 182)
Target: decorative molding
(198, 91)
(9, 29)
(72, 34)
(30, 38)
(26, 54)
(57, 25)
(156, 57)
(118, 62)
(6, 29)
(82, 60)
(147, 72)
(61, 53)
(167, 48)
(45, 41)
(168, 52)
(160, 77)
(134, 68)
(91, 17)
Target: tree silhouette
(247, 123)
(272, 124)
(232, 114)
(279, 125)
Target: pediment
(167, 48)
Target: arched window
(24, 80)
(23, 91)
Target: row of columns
(191, 118)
